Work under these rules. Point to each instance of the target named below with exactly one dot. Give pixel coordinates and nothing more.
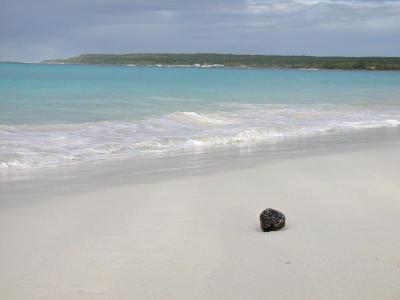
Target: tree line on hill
(238, 60)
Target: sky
(34, 30)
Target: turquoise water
(59, 114)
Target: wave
(37, 146)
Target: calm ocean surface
(53, 115)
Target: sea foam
(38, 146)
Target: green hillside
(235, 60)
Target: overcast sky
(32, 30)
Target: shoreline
(154, 167)
(198, 236)
(207, 67)
(215, 67)
(158, 167)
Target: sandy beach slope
(198, 237)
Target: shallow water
(54, 115)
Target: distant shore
(209, 60)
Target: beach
(198, 236)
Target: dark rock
(272, 220)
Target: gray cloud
(36, 30)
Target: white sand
(199, 238)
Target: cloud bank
(36, 30)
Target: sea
(54, 116)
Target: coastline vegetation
(237, 60)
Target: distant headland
(235, 60)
